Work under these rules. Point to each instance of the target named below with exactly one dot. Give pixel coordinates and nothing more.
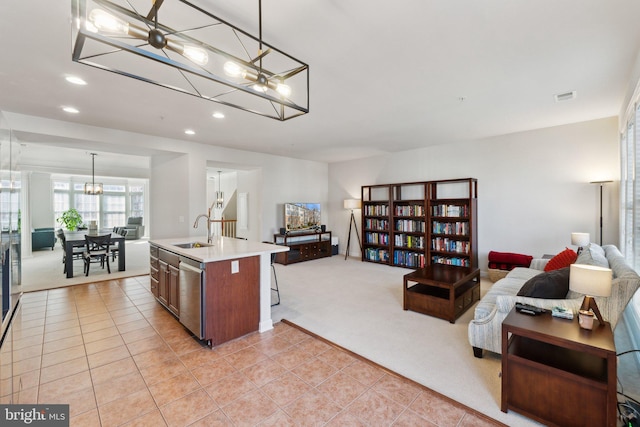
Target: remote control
(529, 309)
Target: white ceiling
(384, 76)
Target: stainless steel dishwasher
(192, 295)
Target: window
(119, 201)
(630, 190)
(10, 205)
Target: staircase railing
(223, 227)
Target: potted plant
(71, 219)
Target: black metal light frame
(209, 82)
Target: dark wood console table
(557, 373)
(440, 290)
(303, 246)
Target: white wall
(41, 200)
(533, 187)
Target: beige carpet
(44, 269)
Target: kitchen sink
(192, 245)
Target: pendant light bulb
(283, 90)
(100, 20)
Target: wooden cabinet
(154, 269)
(421, 223)
(303, 246)
(557, 373)
(232, 299)
(169, 281)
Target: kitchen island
(219, 290)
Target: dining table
(76, 239)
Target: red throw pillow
(562, 260)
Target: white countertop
(223, 248)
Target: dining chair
(97, 251)
(77, 253)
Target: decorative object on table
(71, 219)
(352, 204)
(562, 312)
(93, 227)
(601, 184)
(93, 187)
(585, 319)
(592, 281)
(187, 49)
(580, 240)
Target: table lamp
(580, 240)
(592, 281)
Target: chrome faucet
(208, 218)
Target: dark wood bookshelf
(416, 224)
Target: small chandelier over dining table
(93, 187)
(191, 51)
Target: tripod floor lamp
(352, 204)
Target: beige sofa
(485, 330)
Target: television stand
(303, 246)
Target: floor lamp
(352, 204)
(601, 184)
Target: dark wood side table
(440, 290)
(557, 373)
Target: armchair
(132, 230)
(43, 238)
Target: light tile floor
(118, 358)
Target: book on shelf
(376, 224)
(409, 225)
(450, 245)
(408, 259)
(376, 210)
(409, 241)
(378, 255)
(446, 210)
(459, 228)
(409, 210)
(377, 238)
(461, 262)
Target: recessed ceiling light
(218, 115)
(71, 110)
(189, 132)
(75, 80)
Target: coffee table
(440, 290)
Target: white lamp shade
(590, 280)
(580, 239)
(352, 203)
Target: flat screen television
(301, 216)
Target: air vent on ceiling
(565, 96)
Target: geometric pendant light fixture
(180, 46)
(93, 187)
